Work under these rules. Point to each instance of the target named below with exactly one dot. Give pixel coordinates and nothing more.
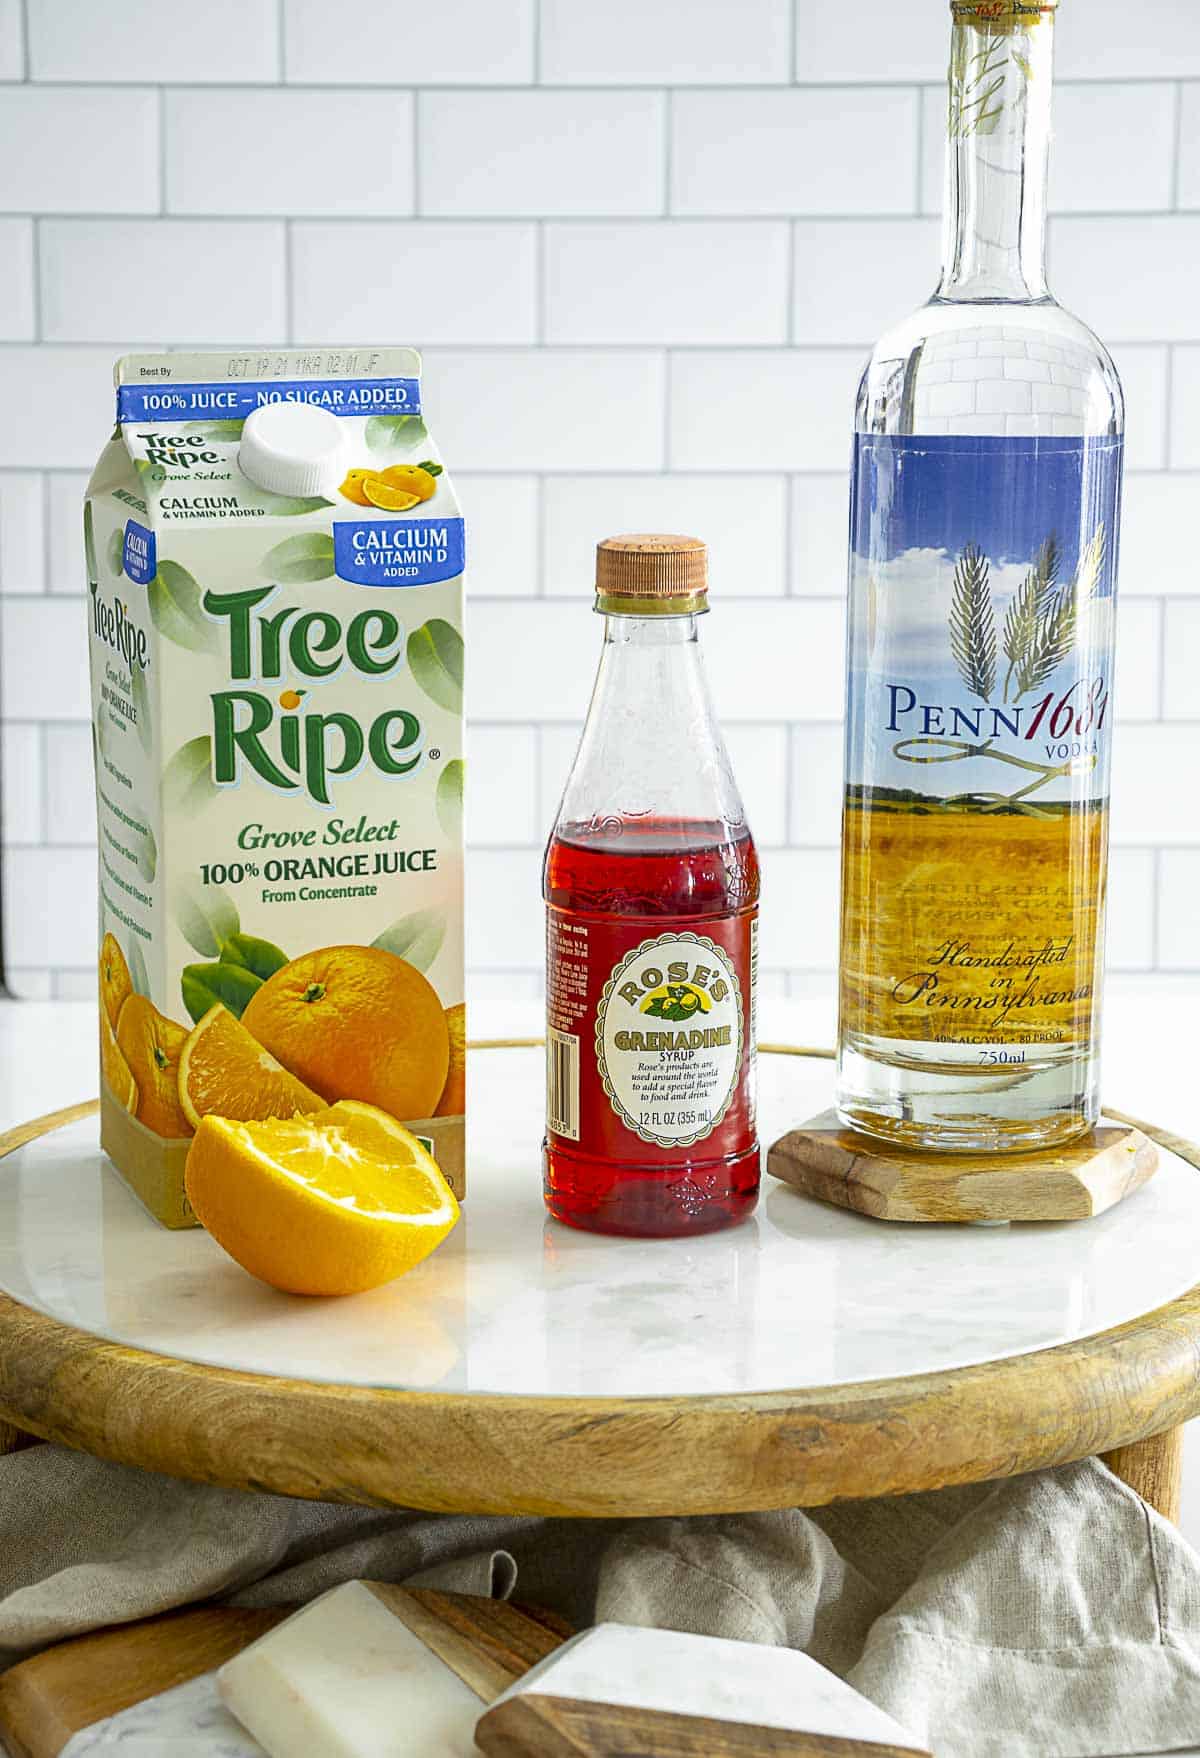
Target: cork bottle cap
(648, 573)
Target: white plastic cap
(293, 449)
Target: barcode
(562, 1083)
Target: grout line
(668, 153)
(934, 81)
(789, 282)
(668, 381)
(416, 154)
(539, 541)
(25, 64)
(597, 217)
(539, 776)
(289, 282)
(789, 758)
(1168, 404)
(43, 812)
(39, 315)
(537, 42)
(162, 150)
(281, 38)
(1176, 150)
(793, 47)
(539, 282)
(919, 207)
(789, 533)
(47, 583)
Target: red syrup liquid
(610, 888)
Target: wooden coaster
(1071, 1183)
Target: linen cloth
(1049, 1616)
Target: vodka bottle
(983, 550)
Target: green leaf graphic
(261, 957)
(449, 797)
(139, 976)
(416, 938)
(146, 850)
(207, 916)
(297, 560)
(174, 596)
(435, 657)
(678, 1003)
(114, 555)
(187, 780)
(141, 702)
(89, 544)
(384, 433)
(203, 985)
(430, 467)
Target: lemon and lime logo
(676, 1001)
(277, 736)
(669, 1038)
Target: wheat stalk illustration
(973, 623)
(1046, 642)
(1028, 605)
(1039, 632)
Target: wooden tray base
(836, 1165)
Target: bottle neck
(652, 632)
(651, 747)
(997, 151)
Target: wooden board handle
(562, 1727)
(47, 1700)
(489, 1644)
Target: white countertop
(801, 1294)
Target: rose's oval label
(669, 1035)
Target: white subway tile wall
(643, 253)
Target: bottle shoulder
(651, 750)
(995, 367)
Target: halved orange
(152, 1045)
(118, 1075)
(116, 985)
(412, 479)
(334, 1202)
(391, 500)
(224, 1071)
(352, 487)
(453, 1101)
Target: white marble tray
(801, 1295)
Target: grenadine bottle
(651, 886)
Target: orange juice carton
(275, 565)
